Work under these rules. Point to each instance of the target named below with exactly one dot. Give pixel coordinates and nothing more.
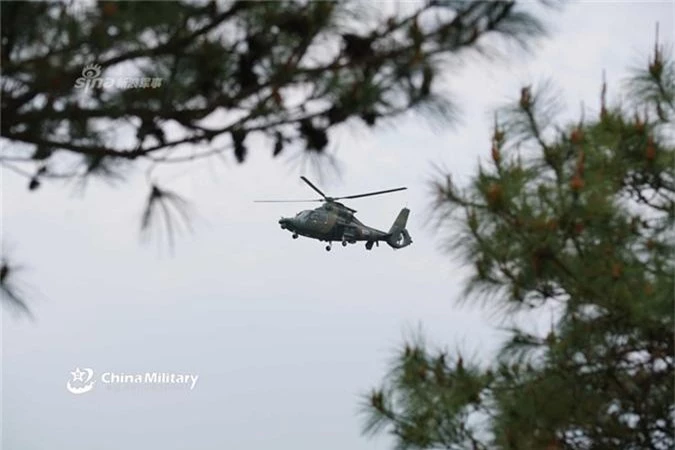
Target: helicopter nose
(284, 222)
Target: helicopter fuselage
(334, 222)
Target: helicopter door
(319, 220)
(315, 218)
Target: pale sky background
(285, 336)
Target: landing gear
(344, 243)
(295, 235)
(328, 247)
(369, 245)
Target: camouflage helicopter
(334, 221)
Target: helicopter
(333, 221)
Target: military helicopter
(334, 221)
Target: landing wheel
(327, 248)
(344, 243)
(295, 236)
(369, 245)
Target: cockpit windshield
(302, 214)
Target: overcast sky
(284, 336)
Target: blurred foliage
(289, 70)
(577, 220)
(97, 89)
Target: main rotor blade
(313, 187)
(288, 201)
(371, 193)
